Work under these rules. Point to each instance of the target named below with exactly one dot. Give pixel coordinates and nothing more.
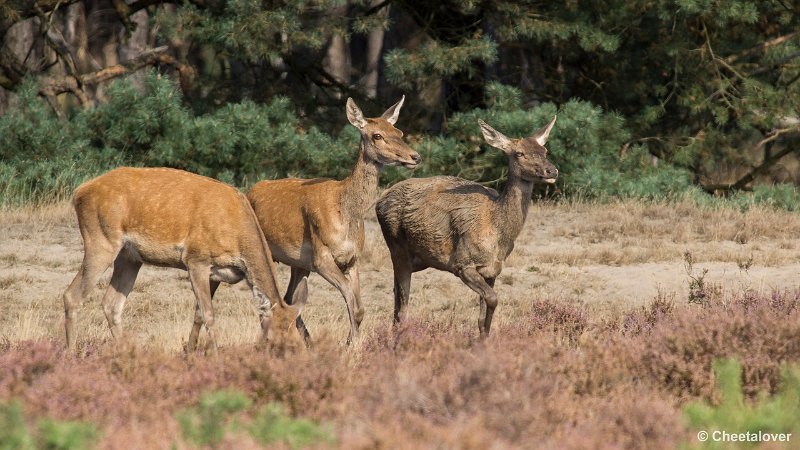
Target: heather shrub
(272, 425)
(568, 321)
(679, 352)
(643, 319)
(628, 419)
(24, 366)
(778, 413)
(557, 376)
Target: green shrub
(273, 425)
(585, 146)
(14, 433)
(54, 435)
(50, 435)
(43, 158)
(205, 425)
(779, 413)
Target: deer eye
(377, 137)
(519, 154)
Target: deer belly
(230, 275)
(292, 255)
(156, 254)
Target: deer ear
(393, 112)
(354, 114)
(493, 137)
(542, 135)
(300, 295)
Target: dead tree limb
(743, 182)
(762, 46)
(74, 84)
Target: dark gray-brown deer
(460, 226)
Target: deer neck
(360, 188)
(513, 205)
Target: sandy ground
(609, 257)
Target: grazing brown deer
(172, 218)
(317, 225)
(462, 227)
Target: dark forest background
(656, 99)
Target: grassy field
(594, 342)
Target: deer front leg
(484, 288)
(355, 286)
(297, 275)
(327, 268)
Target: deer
(172, 218)
(460, 226)
(317, 225)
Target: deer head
(381, 141)
(527, 156)
(282, 317)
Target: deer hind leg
(122, 280)
(96, 259)
(327, 268)
(198, 319)
(199, 275)
(297, 276)
(401, 265)
(484, 288)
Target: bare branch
(776, 64)
(59, 47)
(74, 84)
(742, 183)
(732, 59)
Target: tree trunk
(137, 43)
(21, 54)
(374, 49)
(337, 62)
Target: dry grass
(609, 257)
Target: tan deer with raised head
(317, 225)
(460, 226)
(172, 218)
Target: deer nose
(552, 172)
(416, 157)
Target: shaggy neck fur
(513, 203)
